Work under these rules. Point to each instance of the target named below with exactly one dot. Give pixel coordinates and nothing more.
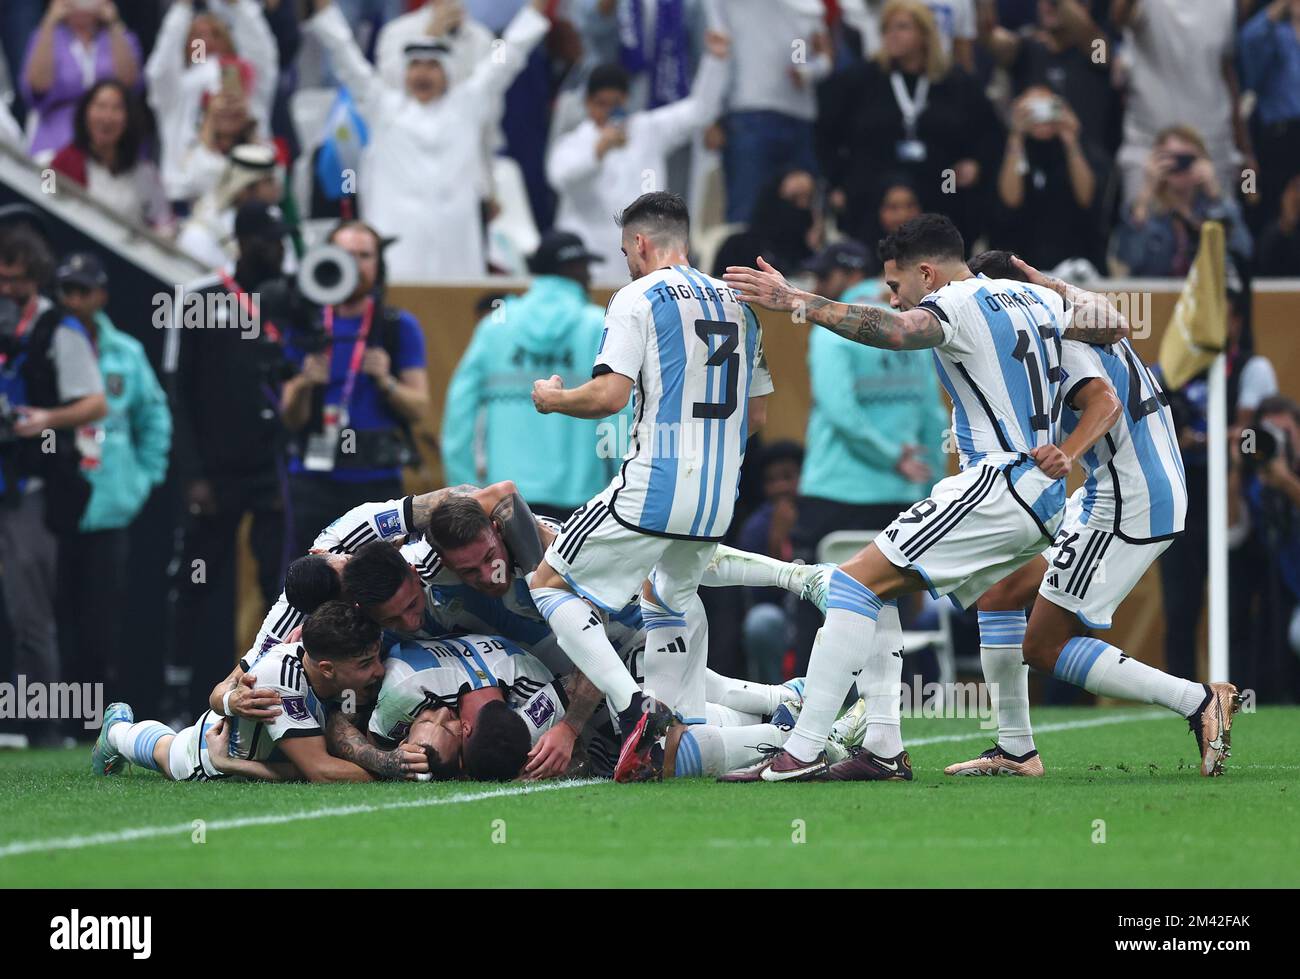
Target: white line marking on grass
(274, 819)
(1124, 718)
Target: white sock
(1102, 669)
(1002, 639)
(753, 698)
(708, 750)
(137, 741)
(838, 653)
(880, 683)
(735, 567)
(677, 656)
(716, 715)
(582, 637)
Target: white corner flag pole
(1216, 427)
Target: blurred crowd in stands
(443, 141)
(464, 128)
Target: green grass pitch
(1132, 769)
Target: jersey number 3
(725, 357)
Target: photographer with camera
(1264, 519)
(361, 382)
(227, 363)
(50, 386)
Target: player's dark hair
(457, 521)
(310, 582)
(21, 244)
(498, 747)
(608, 76)
(783, 450)
(440, 769)
(374, 574)
(338, 630)
(925, 236)
(660, 215)
(996, 264)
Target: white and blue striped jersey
(388, 520)
(696, 355)
(1135, 487)
(433, 673)
(1000, 362)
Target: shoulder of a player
(280, 668)
(386, 519)
(631, 297)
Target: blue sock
(137, 741)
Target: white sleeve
(1080, 363)
(939, 304)
(507, 58)
(390, 718)
(673, 124)
(541, 711)
(256, 44)
(1258, 381)
(279, 622)
(389, 520)
(167, 61)
(572, 159)
(761, 383)
(390, 46)
(623, 344)
(283, 674)
(367, 89)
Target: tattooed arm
(868, 325)
(1096, 320)
(553, 752)
(423, 505)
(345, 740)
(584, 698)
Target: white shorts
(966, 536)
(187, 758)
(1089, 570)
(606, 562)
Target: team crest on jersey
(115, 383)
(389, 523)
(296, 708)
(540, 709)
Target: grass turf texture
(1136, 770)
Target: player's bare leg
(1055, 643)
(1002, 633)
(845, 646)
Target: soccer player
(997, 348)
(339, 653)
(693, 350)
(1132, 503)
(467, 675)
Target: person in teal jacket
(875, 439)
(490, 430)
(124, 457)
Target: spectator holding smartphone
(1180, 191)
(1050, 172)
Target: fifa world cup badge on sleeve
(389, 523)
